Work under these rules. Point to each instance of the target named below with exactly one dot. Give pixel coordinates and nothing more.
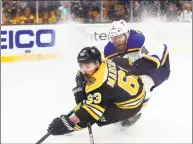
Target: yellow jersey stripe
(74, 129)
(153, 59)
(112, 55)
(77, 127)
(165, 56)
(133, 100)
(133, 103)
(133, 49)
(94, 115)
(97, 107)
(133, 106)
(78, 73)
(97, 112)
(129, 50)
(130, 61)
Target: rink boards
(37, 42)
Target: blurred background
(84, 11)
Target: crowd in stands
(87, 11)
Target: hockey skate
(129, 122)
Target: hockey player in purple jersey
(145, 57)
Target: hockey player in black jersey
(111, 94)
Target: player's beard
(121, 47)
(87, 76)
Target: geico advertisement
(27, 38)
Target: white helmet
(118, 28)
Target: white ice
(33, 93)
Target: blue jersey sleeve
(110, 50)
(135, 41)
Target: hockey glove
(79, 90)
(79, 94)
(80, 80)
(62, 125)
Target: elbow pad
(143, 67)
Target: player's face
(120, 42)
(88, 69)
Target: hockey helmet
(89, 54)
(117, 28)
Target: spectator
(137, 11)
(172, 10)
(58, 16)
(15, 19)
(20, 4)
(65, 10)
(45, 18)
(6, 18)
(44, 6)
(119, 12)
(27, 17)
(53, 16)
(186, 14)
(105, 17)
(84, 11)
(7, 8)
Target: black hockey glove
(61, 125)
(79, 94)
(79, 90)
(125, 63)
(80, 80)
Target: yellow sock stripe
(131, 107)
(97, 107)
(94, 115)
(133, 100)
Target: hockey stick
(49, 133)
(90, 133)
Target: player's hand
(79, 94)
(79, 90)
(80, 80)
(61, 125)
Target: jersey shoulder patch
(91, 81)
(144, 50)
